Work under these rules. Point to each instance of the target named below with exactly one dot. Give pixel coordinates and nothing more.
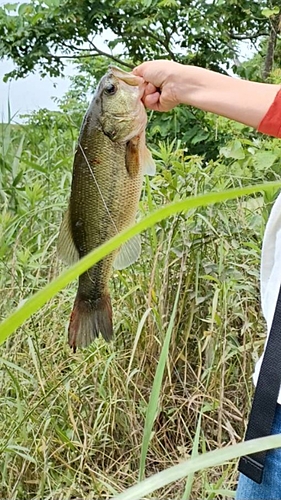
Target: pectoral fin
(147, 162)
(128, 253)
(133, 157)
(138, 156)
(66, 248)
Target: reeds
(176, 381)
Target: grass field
(72, 425)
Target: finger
(137, 70)
(152, 100)
(149, 89)
(140, 69)
(157, 103)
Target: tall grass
(87, 425)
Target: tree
(43, 35)
(275, 18)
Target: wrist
(190, 85)
(240, 100)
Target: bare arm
(170, 84)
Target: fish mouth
(129, 78)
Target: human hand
(163, 80)
(168, 84)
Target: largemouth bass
(110, 161)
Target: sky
(34, 92)
(30, 93)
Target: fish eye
(110, 89)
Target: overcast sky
(30, 93)
(33, 92)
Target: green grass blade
(40, 401)
(40, 298)
(137, 337)
(156, 388)
(189, 481)
(210, 459)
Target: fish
(109, 164)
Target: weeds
(72, 426)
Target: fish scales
(120, 191)
(108, 170)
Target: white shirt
(270, 272)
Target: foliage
(187, 318)
(43, 35)
(201, 133)
(252, 69)
(72, 425)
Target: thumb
(140, 69)
(136, 71)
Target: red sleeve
(271, 122)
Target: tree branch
(168, 39)
(77, 56)
(160, 40)
(88, 54)
(269, 58)
(115, 59)
(247, 37)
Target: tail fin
(88, 319)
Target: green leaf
(64, 438)
(233, 150)
(189, 481)
(21, 451)
(270, 12)
(10, 7)
(52, 3)
(151, 412)
(23, 9)
(200, 137)
(15, 367)
(207, 460)
(264, 160)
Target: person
(168, 84)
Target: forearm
(240, 100)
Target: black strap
(265, 398)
